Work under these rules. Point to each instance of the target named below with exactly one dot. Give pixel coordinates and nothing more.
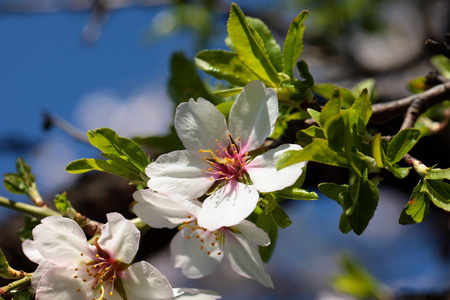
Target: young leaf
(438, 174)
(111, 144)
(331, 108)
(29, 223)
(271, 45)
(228, 92)
(439, 192)
(225, 65)
(417, 208)
(402, 143)
(333, 190)
(304, 73)
(296, 194)
(225, 108)
(317, 151)
(89, 164)
(184, 82)
(325, 90)
(293, 44)
(250, 47)
(365, 202)
(267, 223)
(280, 217)
(363, 108)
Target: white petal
(228, 206)
(265, 176)
(254, 234)
(188, 255)
(59, 283)
(199, 124)
(160, 211)
(194, 294)
(179, 172)
(142, 281)
(30, 250)
(244, 259)
(60, 240)
(40, 271)
(120, 238)
(253, 115)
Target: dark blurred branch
(440, 47)
(50, 121)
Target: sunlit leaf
(225, 65)
(331, 108)
(439, 192)
(250, 47)
(325, 90)
(293, 44)
(402, 143)
(363, 108)
(271, 45)
(417, 208)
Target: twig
(50, 120)
(36, 211)
(25, 281)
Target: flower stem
(38, 212)
(25, 281)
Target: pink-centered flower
(196, 250)
(220, 156)
(70, 268)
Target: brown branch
(383, 112)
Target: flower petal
(228, 206)
(60, 240)
(254, 234)
(179, 172)
(244, 259)
(188, 254)
(253, 115)
(160, 211)
(59, 283)
(120, 238)
(30, 251)
(199, 124)
(265, 176)
(40, 271)
(194, 294)
(142, 281)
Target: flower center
(100, 273)
(227, 163)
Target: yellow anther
(201, 247)
(188, 237)
(208, 253)
(219, 253)
(78, 289)
(210, 169)
(217, 141)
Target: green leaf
(439, 192)
(15, 184)
(89, 164)
(62, 204)
(438, 174)
(326, 90)
(314, 114)
(344, 224)
(314, 131)
(442, 64)
(29, 223)
(317, 151)
(402, 143)
(271, 45)
(225, 108)
(365, 201)
(399, 172)
(296, 194)
(417, 208)
(4, 266)
(111, 144)
(368, 84)
(331, 108)
(280, 217)
(293, 44)
(228, 92)
(304, 73)
(184, 82)
(418, 85)
(267, 223)
(23, 294)
(163, 144)
(363, 108)
(333, 191)
(357, 281)
(250, 47)
(225, 65)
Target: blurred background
(68, 66)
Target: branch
(383, 112)
(36, 211)
(25, 281)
